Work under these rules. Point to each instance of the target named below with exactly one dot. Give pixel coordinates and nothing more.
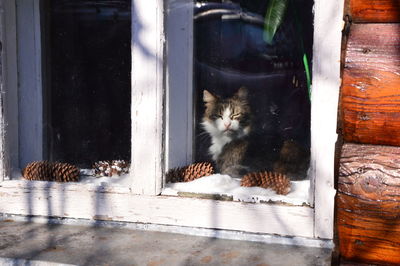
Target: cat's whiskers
(203, 136)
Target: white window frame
(141, 202)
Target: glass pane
(250, 89)
(87, 86)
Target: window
(88, 92)
(165, 107)
(78, 110)
(245, 91)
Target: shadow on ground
(86, 245)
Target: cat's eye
(236, 116)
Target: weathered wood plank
(326, 81)
(374, 10)
(147, 97)
(370, 96)
(118, 204)
(364, 237)
(371, 172)
(368, 203)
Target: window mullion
(30, 82)
(326, 84)
(147, 96)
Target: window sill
(229, 189)
(110, 203)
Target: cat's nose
(227, 124)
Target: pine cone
(190, 172)
(47, 171)
(102, 168)
(119, 167)
(65, 172)
(174, 175)
(276, 181)
(197, 170)
(109, 168)
(38, 171)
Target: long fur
(226, 121)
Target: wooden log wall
(371, 84)
(368, 208)
(374, 10)
(368, 191)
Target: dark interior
(88, 77)
(230, 52)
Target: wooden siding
(368, 203)
(374, 10)
(368, 189)
(371, 85)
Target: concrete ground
(25, 243)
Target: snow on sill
(215, 186)
(225, 186)
(115, 184)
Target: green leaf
(308, 76)
(273, 18)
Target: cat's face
(230, 117)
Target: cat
(226, 120)
(239, 147)
(229, 124)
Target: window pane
(87, 86)
(250, 84)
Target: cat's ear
(242, 93)
(208, 97)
